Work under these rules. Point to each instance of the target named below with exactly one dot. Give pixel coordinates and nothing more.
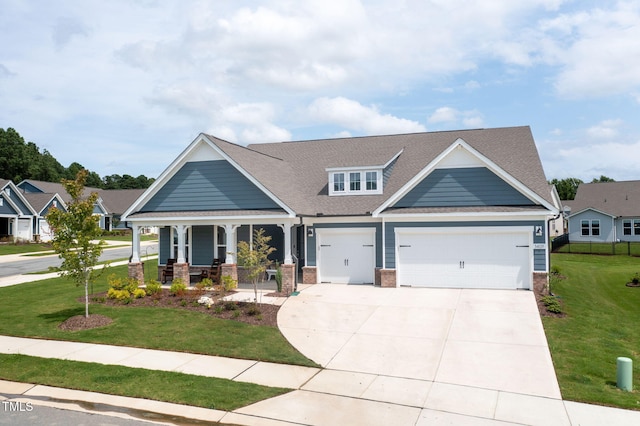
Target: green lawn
(601, 324)
(207, 392)
(10, 248)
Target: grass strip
(601, 324)
(179, 388)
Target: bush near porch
(601, 324)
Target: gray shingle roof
(117, 201)
(296, 171)
(614, 198)
(38, 200)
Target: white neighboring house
(16, 214)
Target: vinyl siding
(6, 208)
(22, 206)
(475, 186)
(539, 256)
(606, 227)
(208, 185)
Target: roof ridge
(245, 147)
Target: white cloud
(355, 116)
(598, 50)
(452, 116)
(613, 159)
(65, 29)
(444, 115)
(606, 129)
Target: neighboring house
(16, 215)
(557, 225)
(30, 186)
(605, 212)
(116, 202)
(465, 208)
(42, 203)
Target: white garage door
(488, 257)
(45, 231)
(346, 255)
(24, 229)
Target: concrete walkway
(391, 356)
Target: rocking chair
(167, 272)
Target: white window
(1, 201)
(338, 182)
(584, 224)
(221, 243)
(626, 227)
(636, 226)
(55, 203)
(595, 227)
(354, 181)
(371, 181)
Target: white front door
(464, 257)
(346, 255)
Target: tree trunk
(86, 295)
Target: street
(30, 264)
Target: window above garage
(346, 181)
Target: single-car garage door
(473, 257)
(346, 255)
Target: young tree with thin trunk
(74, 234)
(255, 259)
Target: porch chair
(213, 272)
(167, 272)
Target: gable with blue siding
(18, 202)
(29, 188)
(6, 208)
(208, 185)
(473, 186)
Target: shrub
(279, 278)
(206, 283)
(635, 278)
(138, 293)
(552, 304)
(178, 287)
(120, 295)
(115, 282)
(230, 305)
(555, 270)
(253, 310)
(153, 287)
(228, 283)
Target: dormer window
(338, 182)
(355, 182)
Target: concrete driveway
(418, 356)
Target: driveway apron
(419, 354)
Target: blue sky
(122, 87)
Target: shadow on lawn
(62, 315)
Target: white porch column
(287, 242)
(231, 243)
(135, 254)
(180, 229)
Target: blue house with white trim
(466, 208)
(605, 212)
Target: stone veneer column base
(136, 271)
(181, 270)
(288, 277)
(230, 269)
(309, 275)
(541, 283)
(387, 277)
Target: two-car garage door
(473, 257)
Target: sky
(123, 86)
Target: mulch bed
(245, 312)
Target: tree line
(568, 187)
(20, 160)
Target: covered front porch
(193, 245)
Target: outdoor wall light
(310, 232)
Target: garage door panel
(346, 255)
(463, 258)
